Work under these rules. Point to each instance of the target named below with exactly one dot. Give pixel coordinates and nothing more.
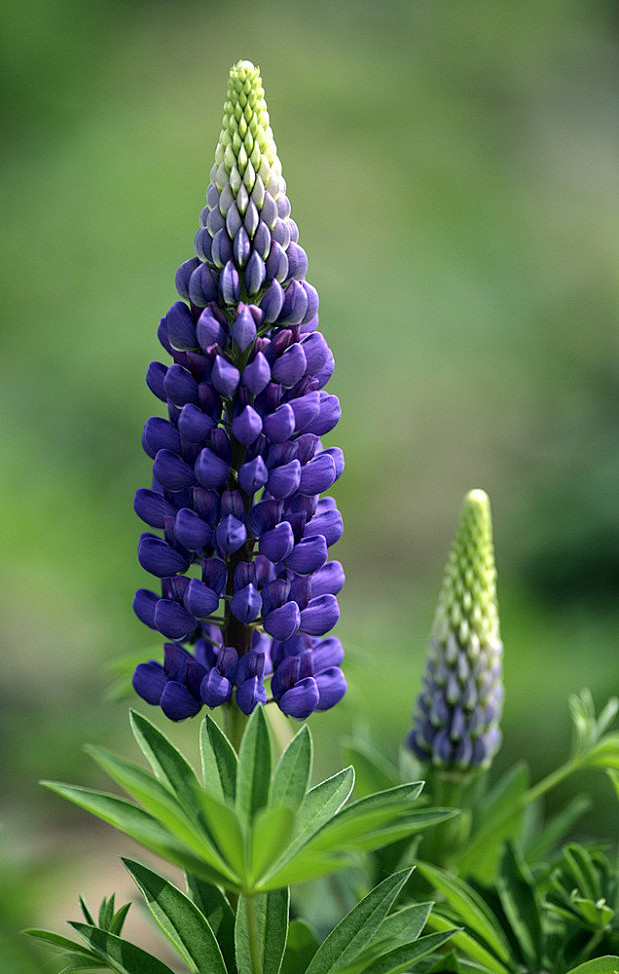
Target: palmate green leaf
(270, 835)
(168, 764)
(120, 955)
(470, 946)
(139, 825)
(400, 958)
(213, 904)
(219, 761)
(300, 869)
(599, 965)
(516, 889)
(159, 802)
(181, 921)
(227, 831)
(58, 942)
(301, 946)
(470, 907)
(320, 804)
(356, 930)
(253, 777)
(293, 772)
(269, 913)
(405, 925)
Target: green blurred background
(453, 170)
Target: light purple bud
(244, 327)
(172, 472)
(241, 248)
(155, 377)
(230, 284)
(149, 681)
(263, 516)
(225, 377)
(332, 686)
(231, 534)
(281, 232)
(262, 240)
(277, 543)
(200, 600)
(144, 602)
(257, 375)
(316, 351)
(328, 652)
(326, 371)
(301, 700)
(294, 306)
(180, 328)
(202, 244)
(202, 286)
(328, 417)
(180, 386)
(233, 221)
(283, 206)
(252, 218)
(308, 555)
(215, 689)
(190, 530)
(160, 434)
(157, 557)
(209, 330)
(172, 620)
(193, 424)
(290, 367)
(210, 470)
(283, 481)
(312, 302)
(283, 622)
(317, 475)
(221, 248)
(328, 580)
(246, 604)
(320, 616)
(268, 211)
(253, 475)
(272, 302)
(249, 694)
(279, 426)
(255, 274)
(182, 276)
(214, 574)
(214, 220)
(247, 426)
(277, 263)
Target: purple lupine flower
(238, 464)
(456, 723)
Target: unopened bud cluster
(238, 465)
(456, 723)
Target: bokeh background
(453, 171)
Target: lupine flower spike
(247, 588)
(456, 723)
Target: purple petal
(172, 620)
(249, 694)
(283, 622)
(225, 377)
(200, 599)
(332, 686)
(308, 555)
(215, 689)
(279, 426)
(278, 542)
(283, 481)
(182, 276)
(320, 616)
(180, 386)
(190, 530)
(317, 475)
(244, 327)
(152, 507)
(329, 525)
(172, 472)
(301, 700)
(157, 557)
(329, 579)
(193, 424)
(155, 377)
(210, 470)
(246, 604)
(149, 681)
(177, 703)
(202, 288)
(290, 366)
(247, 425)
(253, 475)
(257, 374)
(231, 534)
(180, 328)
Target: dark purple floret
(248, 590)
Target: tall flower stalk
(248, 591)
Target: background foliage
(452, 168)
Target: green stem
(550, 781)
(254, 942)
(234, 723)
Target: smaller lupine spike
(456, 722)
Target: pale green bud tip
(467, 604)
(246, 153)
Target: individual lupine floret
(456, 723)
(238, 464)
